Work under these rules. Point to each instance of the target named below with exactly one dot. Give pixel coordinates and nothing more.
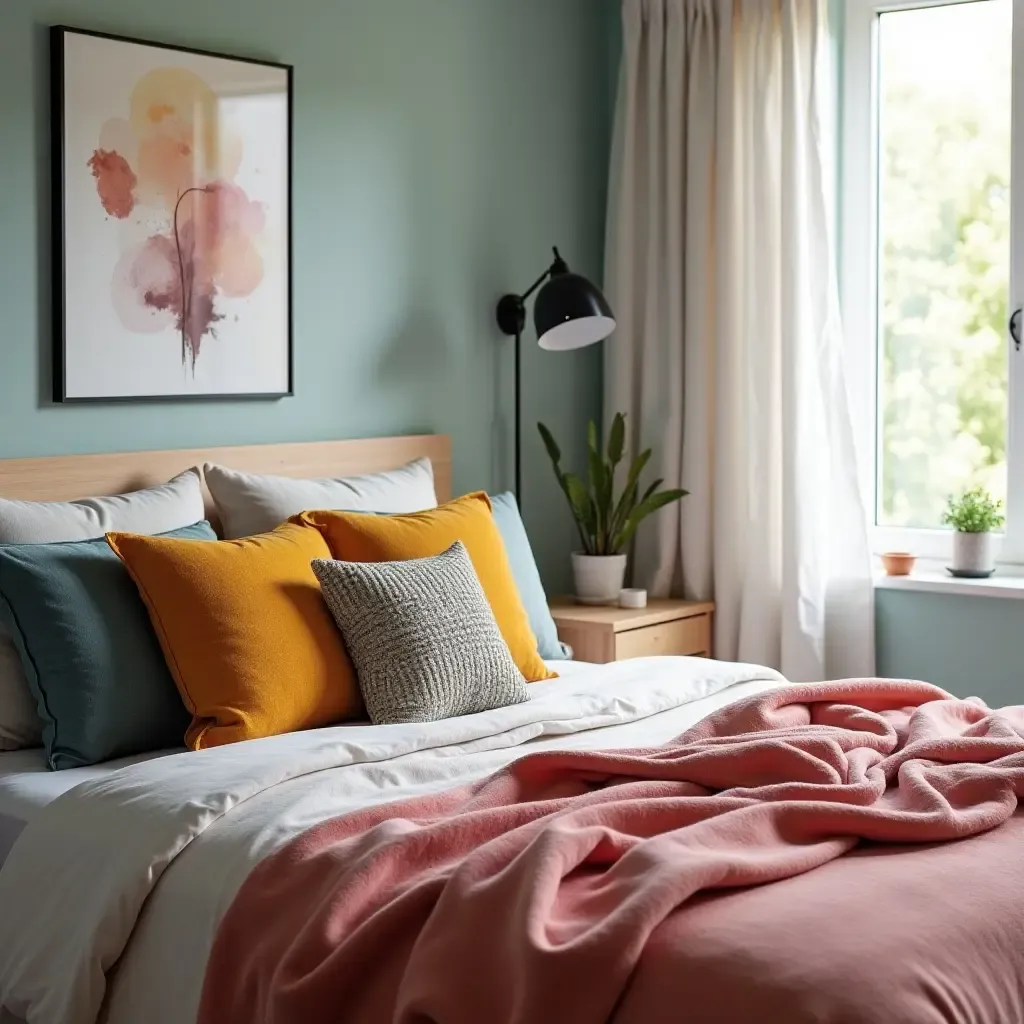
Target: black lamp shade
(570, 313)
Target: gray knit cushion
(422, 637)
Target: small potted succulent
(606, 521)
(974, 515)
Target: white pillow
(161, 509)
(251, 503)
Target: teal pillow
(92, 660)
(527, 576)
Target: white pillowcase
(251, 503)
(160, 509)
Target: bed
(885, 934)
(625, 704)
(25, 783)
(117, 878)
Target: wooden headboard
(65, 477)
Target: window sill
(1008, 582)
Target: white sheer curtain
(728, 358)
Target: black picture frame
(58, 35)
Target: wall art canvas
(172, 221)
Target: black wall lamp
(569, 313)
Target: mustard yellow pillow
(245, 631)
(362, 537)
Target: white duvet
(79, 890)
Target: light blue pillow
(93, 662)
(527, 576)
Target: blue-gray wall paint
(440, 150)
(968, 645)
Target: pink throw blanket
(529, 897)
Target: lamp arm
(558, 266)
(536, 284)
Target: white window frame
(858, 276)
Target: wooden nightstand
(603, 634)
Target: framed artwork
(171, 221)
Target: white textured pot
(599, 578)
(972, 553)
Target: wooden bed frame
(66, 477)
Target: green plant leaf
(583, 509)
(625, 503)
(975, 511)
(650, 490)
(624, 507)
(642, 511)
(617, 440)
(554, 452)
(597, 487)
(607, 526)
(580, 529)
(556, 455)
(605, 499)
(639, 465)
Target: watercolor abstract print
(172, 221)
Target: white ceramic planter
(973, 554)
(599, 578)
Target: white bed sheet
(218, 813)
(27, 785)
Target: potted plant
(974, 515)
(606, 521)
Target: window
(926, 262)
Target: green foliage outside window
(945, 243)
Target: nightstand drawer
(685, 636)
(600, 634)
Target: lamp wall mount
(511, 312)
(511, 315)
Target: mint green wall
(614, 43)
(441, 148)
(968, 645)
